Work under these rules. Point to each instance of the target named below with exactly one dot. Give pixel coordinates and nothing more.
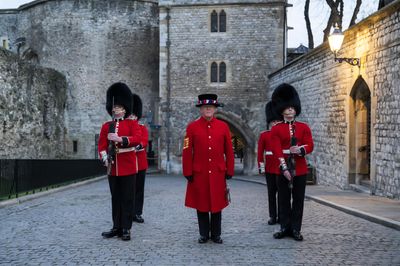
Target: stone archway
(245, 137)
(360, 134)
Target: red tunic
(141, 154)
(265, 155)
(122, 165)
(208, 157)
(281, 143)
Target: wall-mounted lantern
(335, 43)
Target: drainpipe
(285, 31)
(168, 94)
(284, 34)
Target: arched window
(222, 21)
(214, 72)
(218, 72)
(214, 21)
(222, 72)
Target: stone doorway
(239, 145)
(243, 140)
(360, 134)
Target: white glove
(261, 169)
(295, 150)
(114, 137)
(104, 158)
(287, 174)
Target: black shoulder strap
(111, 127)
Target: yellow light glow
(336, 39)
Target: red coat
(130, 131)
(281, 143)
(141, 154)
(264, 154)
(208, 157)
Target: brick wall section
(32, 107)
(251, 48)
(324, 87)
(94, 44)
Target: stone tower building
(227, 47)
(93, 43)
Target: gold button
(209, 172)
(209, 159)
(209, 148)
(209, 137)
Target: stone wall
(251, 47)
(212, 2)
(94, 44)
(32, 108)
(325, 87)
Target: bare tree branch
(340, 13)
(355, 13)
(335, 16)
(308, 25)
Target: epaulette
(280, 122)
(302, 122)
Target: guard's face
(289, 112)
(118, 110)
(207, 111)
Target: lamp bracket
(351, 61)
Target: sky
(319, 14)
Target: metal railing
(24, 176)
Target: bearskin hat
(137, 106)
(119, 94)
(285, 96)
(270, 113)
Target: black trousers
(122, 200)
(205, 221)
(291, 202)
(272, 194)
(139, 195)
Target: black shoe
(113, 232)
(217, 240)
(138, 218)
(203, 239)
(126, 234)
(281, 234)
(272, 221)
(297, 235)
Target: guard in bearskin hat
(207, 162)
(116, 146)
(268, 164)
(291, 142)
(141, 160)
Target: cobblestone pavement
(65, 228)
